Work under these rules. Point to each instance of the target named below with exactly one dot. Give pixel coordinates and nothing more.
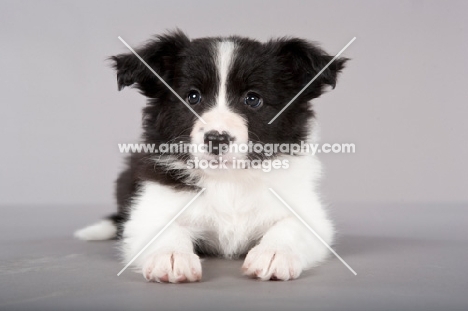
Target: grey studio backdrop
(402, 100)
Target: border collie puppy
(237, 85)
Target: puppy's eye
(193, 97)
(253, 100)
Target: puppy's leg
(288, 248)
(171, 257)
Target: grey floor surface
(408, 257)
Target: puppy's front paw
(172, 267)
(271, 264)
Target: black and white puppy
(237, 85)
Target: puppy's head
(236, 85)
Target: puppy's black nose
(216, 140)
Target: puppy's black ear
(301, 61)
(160, 54)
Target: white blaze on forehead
(225, 55)
(219, 117)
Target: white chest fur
(234, 211)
